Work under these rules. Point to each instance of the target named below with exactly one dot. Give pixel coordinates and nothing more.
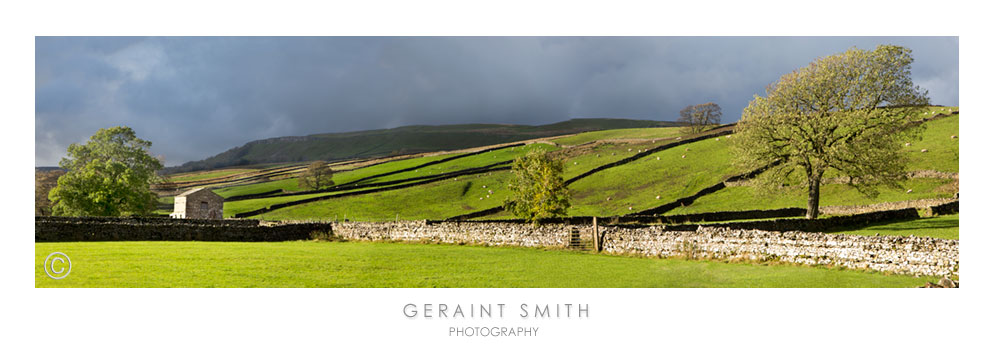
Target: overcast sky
(194, 97)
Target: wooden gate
(578, 240)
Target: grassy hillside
(942, 150)
(665, 174)
(401, 140)
(291, 184)
(433, 201)
(944, 227)
(739, 198)
(474, 161)
(613, 191)
(208, 174)
(360, 264)
(645, 133)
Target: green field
(637, 184)
(316, 264)
(433, 201)
(475, 161)
(602, 154)
(623, 189)
(942, 150)
(944, 227)
(291, 184)
(207, 175)
(741, 198)
(643, 133)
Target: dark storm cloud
(195, 97)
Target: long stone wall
(905, 255)
(60, 229)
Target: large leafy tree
(107, 176)
(318, 176)
(700, 117)
(538, 187)
(847, 113)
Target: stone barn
(198, 203)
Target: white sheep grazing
(908, 144)
(608, 198)
(923, 150)
(658, 158)
(658, 197)
(682, 156)
(909, 191)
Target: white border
(346, 319)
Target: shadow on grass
(938, 224)
(923, 223)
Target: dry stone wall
(61, 229)
(905, 255)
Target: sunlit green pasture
(320, 264)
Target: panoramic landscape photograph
(496, 162)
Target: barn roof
(194, 191)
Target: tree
(700, 117)
(110, 175)
(318, 176)
(846, 113)
(45, 181)
(538, 187)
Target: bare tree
(701, 116)
(318, 176)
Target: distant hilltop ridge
(397, 141)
